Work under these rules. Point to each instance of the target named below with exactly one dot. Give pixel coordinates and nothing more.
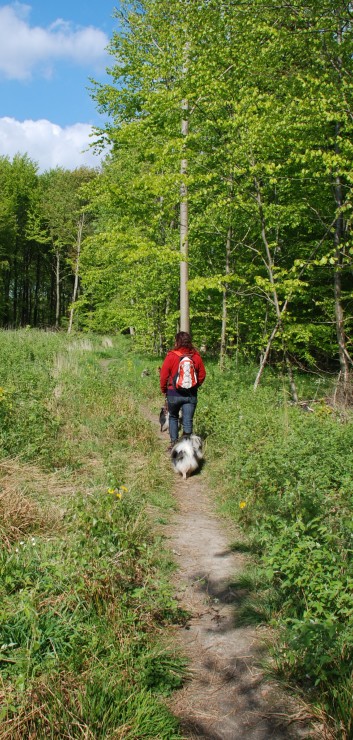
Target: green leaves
(270, 101)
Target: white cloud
(47, 143)
(25, 48)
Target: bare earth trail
(227, 697)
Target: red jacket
(170, 368)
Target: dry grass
(343, 393)
(84, 345)
(29, 500)
(107, 342)
(65, 363)
(35, 714)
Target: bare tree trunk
(15, 293)
(293, 387)
(339, 313)
(269, 260)
(237, 345)
(77, 267)
(184, 249)
(57, 289)
(279, 311)
(344, 357)
(269, 343)
(223, 347)
(6, 314)
(184, 223)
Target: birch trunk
(184, 216)
(344, 358)
(57, 289)
(184, 246)
(77, 267)
(280, 312)
(223, 347)
(337, 282)
(36, 292)
(269, 343)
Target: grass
(286, 476)
(85, 600)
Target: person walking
(181, 375)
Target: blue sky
(48, 51)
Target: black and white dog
(164, 419)
(187, 455)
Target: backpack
(185, 377)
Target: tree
(266, 173)
(62, 209)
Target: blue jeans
(188, 406)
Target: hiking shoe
(173, 442)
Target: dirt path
(227, 697)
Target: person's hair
(183, 339)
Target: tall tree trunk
(6, 304)
(57, 288)
(77, 267)
(52, 297)
(36, 292)
(184, 223)
(339, 313)
(223, 348)
(15, 292)
(344, 358)
(269, 343)
(293, 387)
(25, 316)
(280, 312)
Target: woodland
(244, 112)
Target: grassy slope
(286, 476)
(85, 622)
(84, 589)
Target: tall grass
(286, 475)
(83, 579)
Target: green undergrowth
(84, 578)
(285, 474)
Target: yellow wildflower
(242, 505)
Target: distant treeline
(42, 222)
